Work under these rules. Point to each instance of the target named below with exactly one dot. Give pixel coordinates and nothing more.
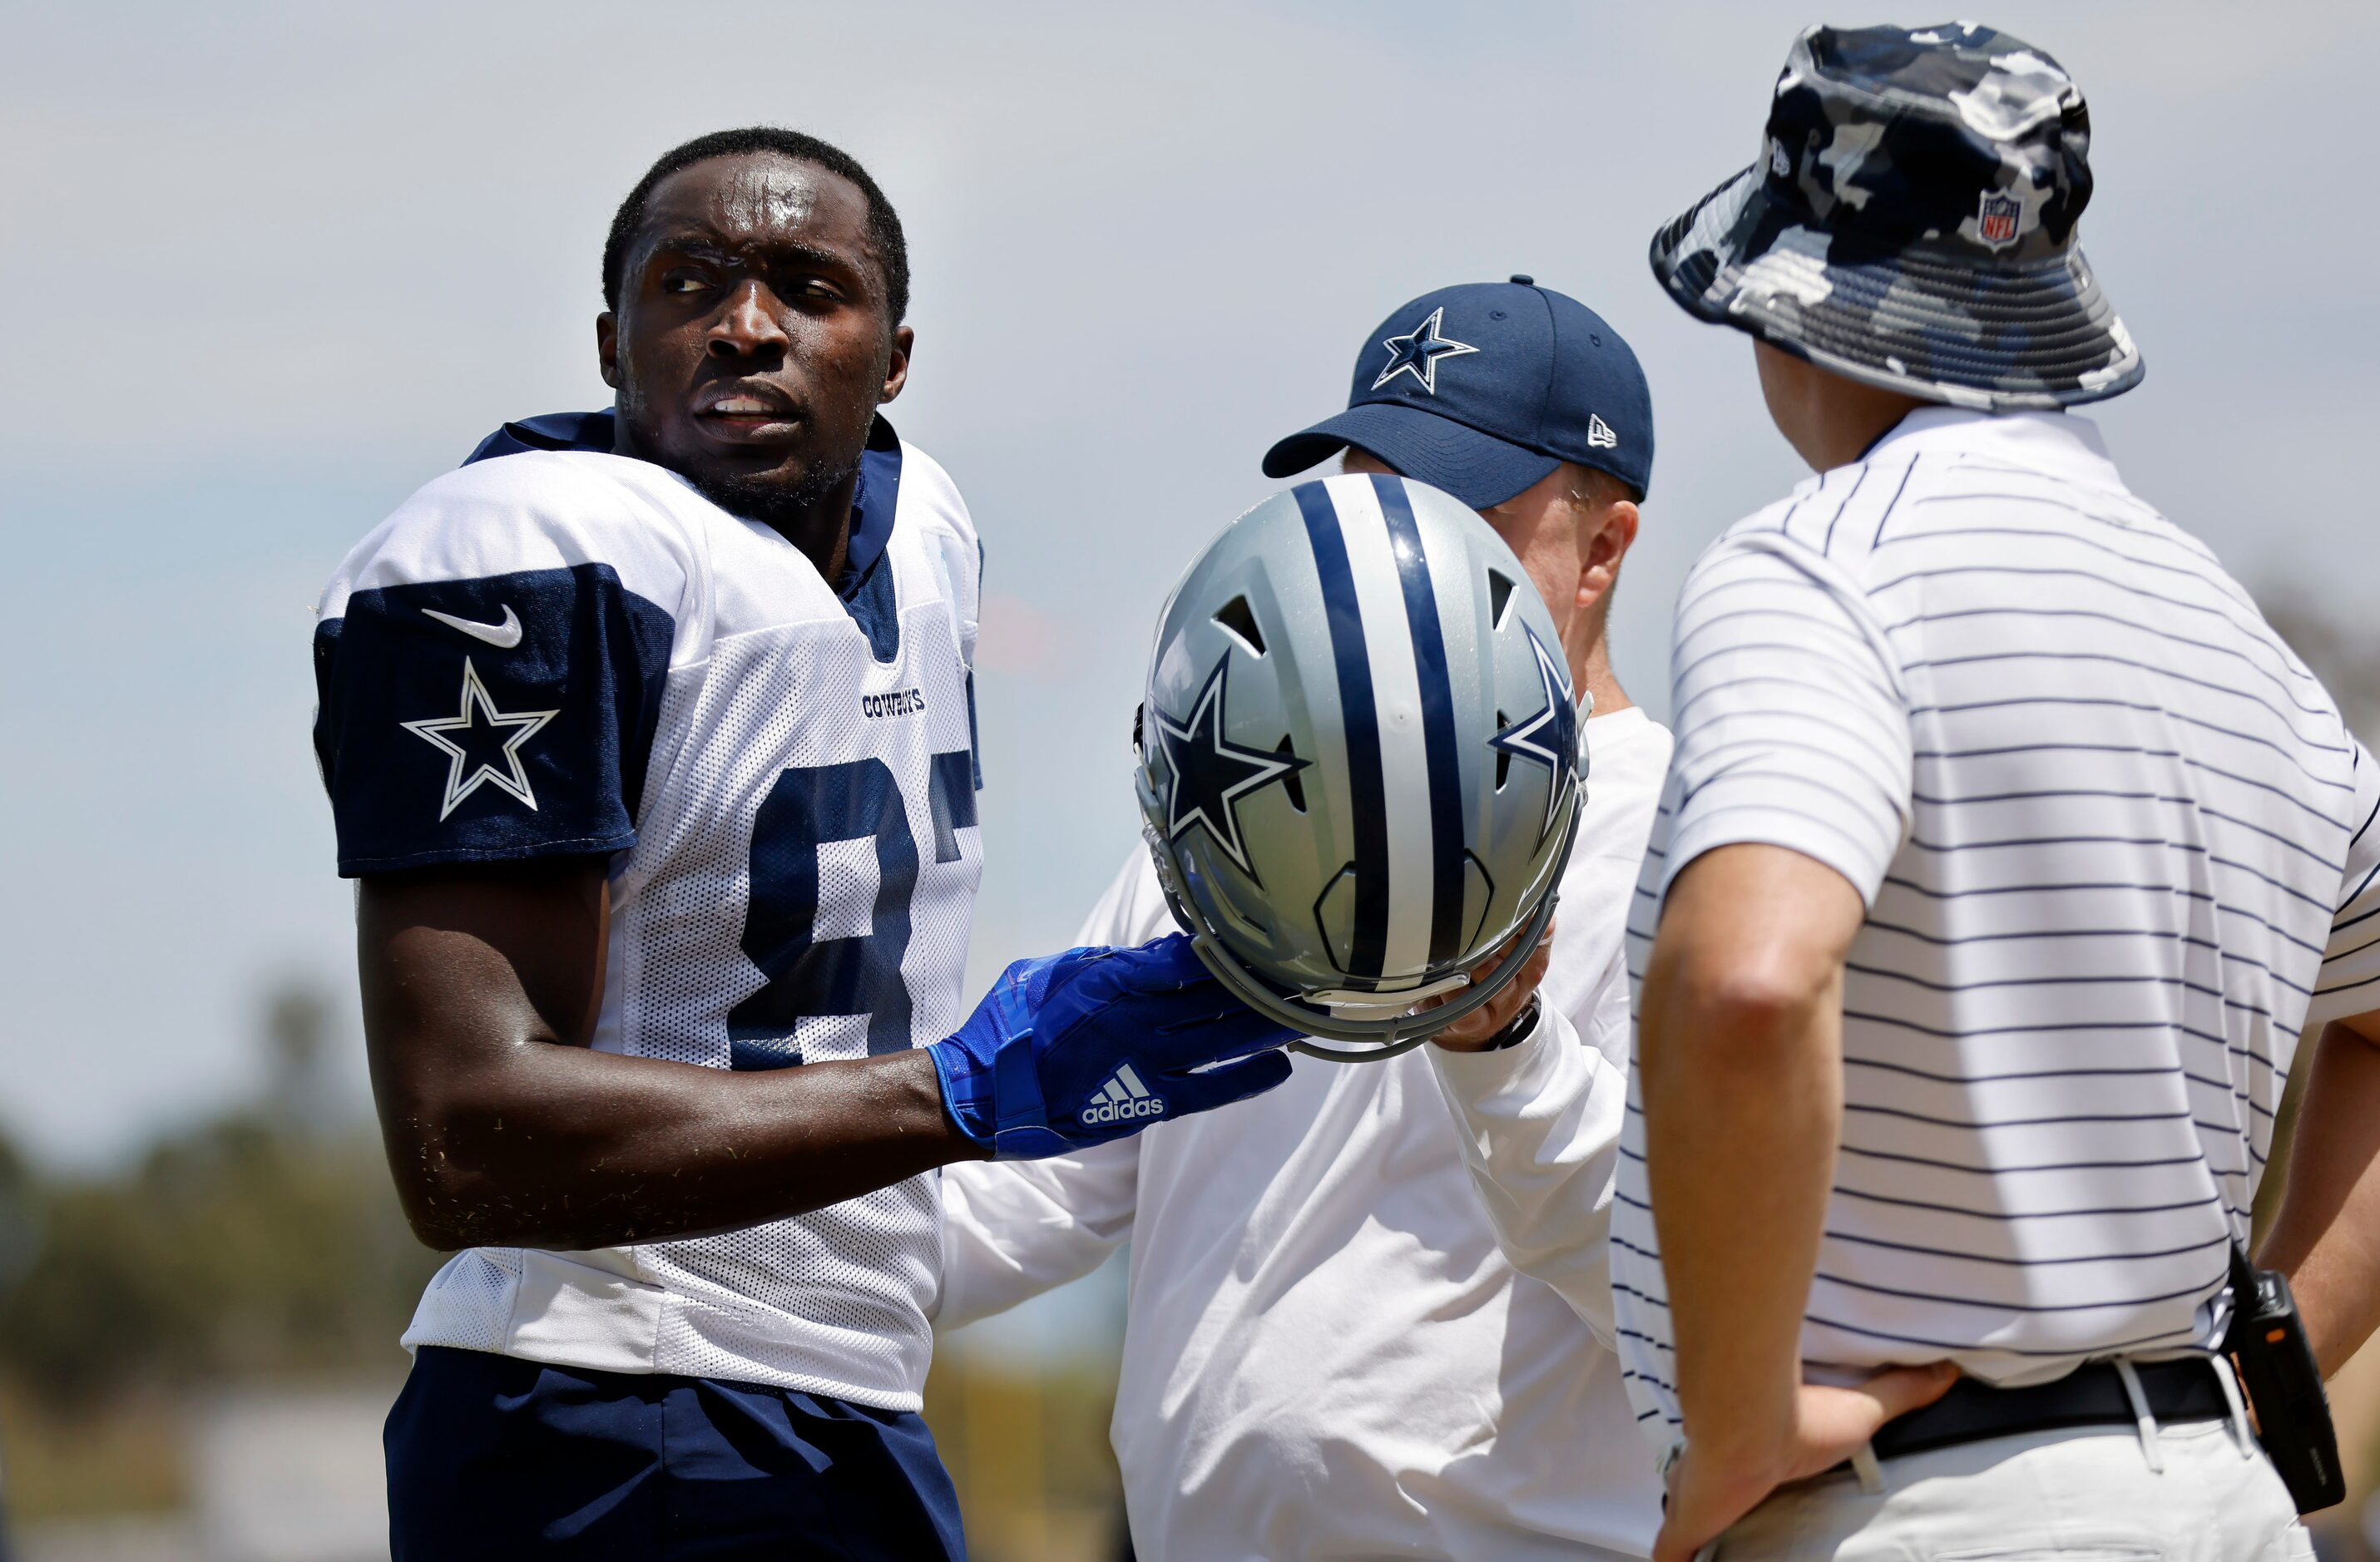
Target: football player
(650, 737)
(1330, 1351)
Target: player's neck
(814, 515)
(820, 529)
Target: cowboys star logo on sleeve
(471, 730)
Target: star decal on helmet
(1209, 773)
(1549, 736)
(1417, 351)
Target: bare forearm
(503, 1127)
(1743, 1107)
(2327, 1236)
(1739, 1049)
(579, 1150)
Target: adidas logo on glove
(1122, 1097)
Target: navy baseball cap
(1483, 389)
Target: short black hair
(883, 223)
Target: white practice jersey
(1329, 1352)
(2117, 849)
(560, 652)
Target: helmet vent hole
(1500, 597)
(1290, 783)
(1503, 756)
(1239, 621)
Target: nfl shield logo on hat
(1996, 220)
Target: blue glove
(1077, 1049)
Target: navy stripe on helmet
(1366, 788)
(1436, 720)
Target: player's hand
(1077, 1049)
(1709, 1491)
(1479, 1028)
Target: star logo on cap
(474, 723)
(1417, 351)
(1211, 773)
(1549, 736)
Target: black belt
(2090, 1396)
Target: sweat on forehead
(757, 184)
(755, 197)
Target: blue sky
(264, 272)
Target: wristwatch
(1522, 1026)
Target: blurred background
(266, 269)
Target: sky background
(263, 271)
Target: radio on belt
(2276, 1367)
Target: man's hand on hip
(1714, 1484)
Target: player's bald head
(889, 247)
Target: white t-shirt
(2114, 840)
(1327, 1355)
(560, 652)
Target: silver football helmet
(1359, 762)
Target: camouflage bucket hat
(1911, 224)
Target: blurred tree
(299, 1090)
(237, 1248)
(267, 1241)
(19, 1222)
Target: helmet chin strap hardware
(1364, 1005)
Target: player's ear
(896, 367)
(607, 348)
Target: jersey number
(858, 974)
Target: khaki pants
(2082, 1495)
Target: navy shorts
(492, 1457)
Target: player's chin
(763, 491)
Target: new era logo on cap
(1122, 1099)
(1598, 433)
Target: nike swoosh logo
(504, 637)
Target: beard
(786, 507)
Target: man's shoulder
(595, 490)
(1776, 539)
(1840, 514)
(535, 510)
(930, 498)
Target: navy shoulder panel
(552, 430)
(502, 717)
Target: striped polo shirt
(2117, 849)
